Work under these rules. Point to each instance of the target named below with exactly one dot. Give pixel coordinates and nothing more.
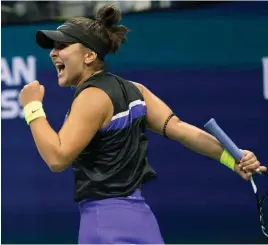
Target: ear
(90, 57)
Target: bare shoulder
(94, 102)
(139, 86)
(92, 95)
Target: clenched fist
(31, 92)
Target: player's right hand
(249, 165)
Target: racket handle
(213, 128)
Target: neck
(82, 80)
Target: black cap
(70, 33)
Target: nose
(54, 52)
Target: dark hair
(104, 27)
(108, 16)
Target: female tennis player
(103, 136)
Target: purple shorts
(120, 220)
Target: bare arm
(90, 112)
(188, 135)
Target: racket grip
(213, 128)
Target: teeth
(60, 67)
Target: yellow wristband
(227, 160)
(33, 110)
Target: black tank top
(115, 162)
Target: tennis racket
(213, 128)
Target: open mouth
(60, 68)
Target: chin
(63, 83)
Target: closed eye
(60, 46)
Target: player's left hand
(31, 92)
(248, 165)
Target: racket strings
(260, 202)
